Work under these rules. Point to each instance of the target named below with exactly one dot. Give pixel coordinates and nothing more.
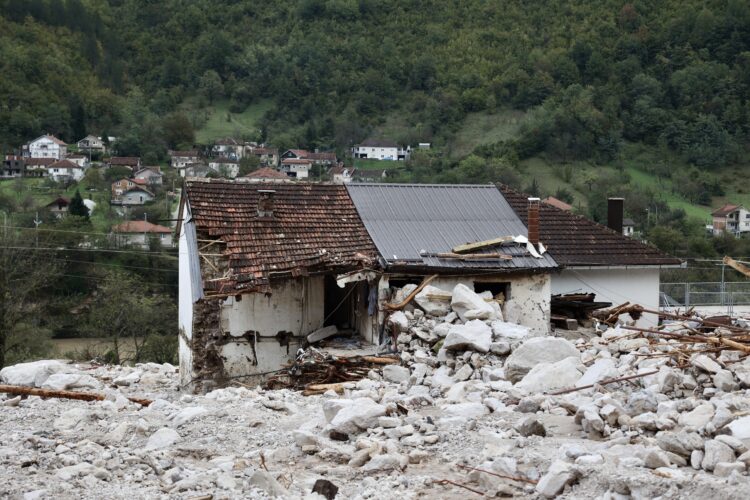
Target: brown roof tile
(266, 173)
(725, 210)
(574, 240)
(127, 161)
(139, 226)
(314, 228)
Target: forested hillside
(591, 75)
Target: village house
(45, 146)
(91, 143)
(195, 170)
(65, 171)
(229, 148)
(120, 186)
(58, 207)
(225, 167)
(13, 166)
(731, 219)
(262, 266)
(341, 174)
(628, 227)
(597, 258)
(381, 149)
(268, 157)
(296, 168)
(326, 159)
(179, 159)
(131, 162)
(37, 167)
(266, 174)
(139, 233)
(370, 174)
(79, 159)
(152, 176)
(133, 196)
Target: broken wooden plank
(315, 389)
(736, 265)
(381, 360)
(469, 247)
(19, 390)
(474, 256)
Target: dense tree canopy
(674, 73)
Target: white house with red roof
(732, 219)
(45, 146)
(139, 232)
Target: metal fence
(715, 293)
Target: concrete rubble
(471, 406)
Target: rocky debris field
(469, 412)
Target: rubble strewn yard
(470, 410)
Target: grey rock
(531, 426)
(266, 482)
(537, 350)
(725, 469)
(716, 452)
(396, 373)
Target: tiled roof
(139, 226)
(138, 188)
(128, 161)
(64, 164)
(40, 161)
(227, 141)
(265, 151)
(329, 156)
(187, 154)
(314, 228)
(295, 161)
(266, 173)
(574, 240)
(551, 200)
(725, 210)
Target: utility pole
(37, 221)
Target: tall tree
(77, 207)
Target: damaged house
(262, 267)
(597, 258)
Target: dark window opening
(402, 282)
(339, 305)
(498, 290)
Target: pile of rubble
(478, 405)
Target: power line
(118, 265)
(100, 279)
(67, 249)
(62, 230)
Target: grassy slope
(484, 128)
(217, 126)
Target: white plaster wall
(185, 301)
(637, 286)
(295, 306)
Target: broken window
(500, 290)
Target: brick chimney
(265, 202)
(533, 220)
(615, 213)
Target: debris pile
(475, 404)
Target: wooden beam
(474, 256)
(48, 393)
(469, 247)
(736, 266)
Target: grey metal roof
(407, 220)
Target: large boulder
(472, 336)
(33, 374)
(506, 330)
(550, 376)
(469, 305)
(70, 381)
(537, 350)
(601, 369)
(429, 300)
(362, 414)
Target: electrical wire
(68, 249)
(118, 265)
